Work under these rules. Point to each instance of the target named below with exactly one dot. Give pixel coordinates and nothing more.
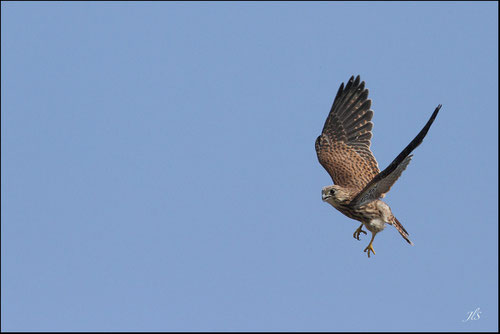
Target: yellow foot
(358, 232)
(369, 249)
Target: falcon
(343, 149)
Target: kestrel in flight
(343, 149)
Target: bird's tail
(401, 230)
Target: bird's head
(335, 195)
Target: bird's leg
(358, 232)
(369, 248)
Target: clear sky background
(159, 171)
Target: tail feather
(401, 230)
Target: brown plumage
(343, 149)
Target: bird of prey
(343, 149)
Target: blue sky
(159, 172)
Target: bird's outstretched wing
(343, 148)
(383, 182)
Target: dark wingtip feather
(349, 84)
(423, 132)
(356, 82)
(361, 85)
(341, 89)
(434, 114)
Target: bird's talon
(358, 232)
(369, 249)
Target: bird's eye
(332, 192)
